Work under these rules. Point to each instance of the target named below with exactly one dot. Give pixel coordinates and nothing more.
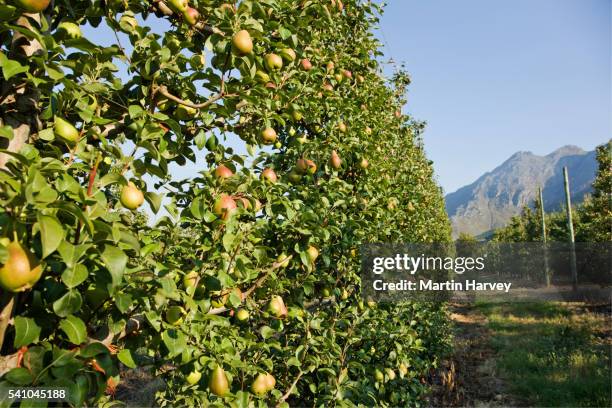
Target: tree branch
(258, 283)
(290, 390)
(164, 91)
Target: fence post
(544, 244)
(570, 226)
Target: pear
(224, 207)
(269, 176)
(288, 54)
(277, 307)
(190, 279)
(33, 6)
(273, 62)
(335, 160)
(268, 136)
(179, 5)
(260, 384)
(306, 64)
(131, 197)
(222, 172)
(65, 130)
(313, 253)
(242, 44)
(191, 16)
(194, 377)
(21, 270)
(218, 383)
(242, 315)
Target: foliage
(118, 290)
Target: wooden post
(544, 245)
(570, 226)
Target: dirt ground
(469, 378)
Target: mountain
(491, 201)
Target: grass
(552, 354)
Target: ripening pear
(224, 207)
(270, 382)
(21, 270)
(33, 6)
(269, 175)
(242, 44)
(65, 130)
(273, 62)
(335, 160)
(342, 127)
(306, 64)
(378, 375)
(313, 253)
(288, 54)
(403, 370)
(191, 16)
(222, 172)
(294, 176)
(268, 136)
(131, 197)
(179, 5)
(390, 374)
(194, 377)
(301, 166)
(260, 384)
(277, 307)
(218, 383)
(242, 315)
(283, 259)
(262, 76)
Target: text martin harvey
(468, 285)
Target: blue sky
(495, 77)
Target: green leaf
(26, 331)
(75, 275)
(267, 332)
(115, 261)
(10, 68)
(126, 357)
(51, 233)
(19, 376)
(69, 303)
(75, 329)
(6, 132)
(154, 200)
(93, 349)
(175, 342)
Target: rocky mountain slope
(490, 201)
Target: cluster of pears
(302, 167)
(22, 270)
(225, 205)
(219, 385)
